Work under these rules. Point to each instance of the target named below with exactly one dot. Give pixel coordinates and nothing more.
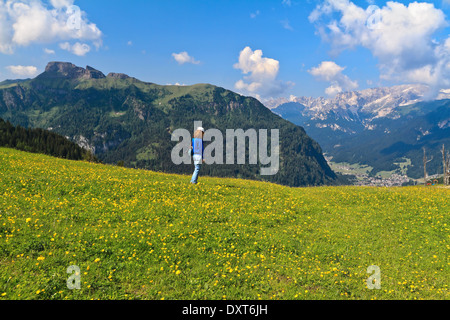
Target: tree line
(41, 141)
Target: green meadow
(136, 234)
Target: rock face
(378, 102)
(375, 102)
(118, 75)
(68, 70)
(347, 108)
(92, 73)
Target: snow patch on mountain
(372, 103)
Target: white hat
(201, 129)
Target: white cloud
(176, 84)
(286, 25)
(26, 22)
(327, 70)
(79, 49)
(399, 36)
(262, 73)
(130, 43)
(287, 2)
(183, 57)
(61, 3)
(23, 71)
(49, 51)
(331, 72)
(254, 15)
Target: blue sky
(299, 55)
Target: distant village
(359, 175)
(364, 179)
(394, 180)
(378, 181)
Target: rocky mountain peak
(374, 102)
(67, 70)
(64, 69)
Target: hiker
(197, 151)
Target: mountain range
(122, 119)
(379, 127)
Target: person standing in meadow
(197, 151)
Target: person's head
(199, 133)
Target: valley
(376, 128)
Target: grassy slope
(146, 235)
(125, 119)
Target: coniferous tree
(41, 141)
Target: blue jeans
(197, 162)
(195, 175)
